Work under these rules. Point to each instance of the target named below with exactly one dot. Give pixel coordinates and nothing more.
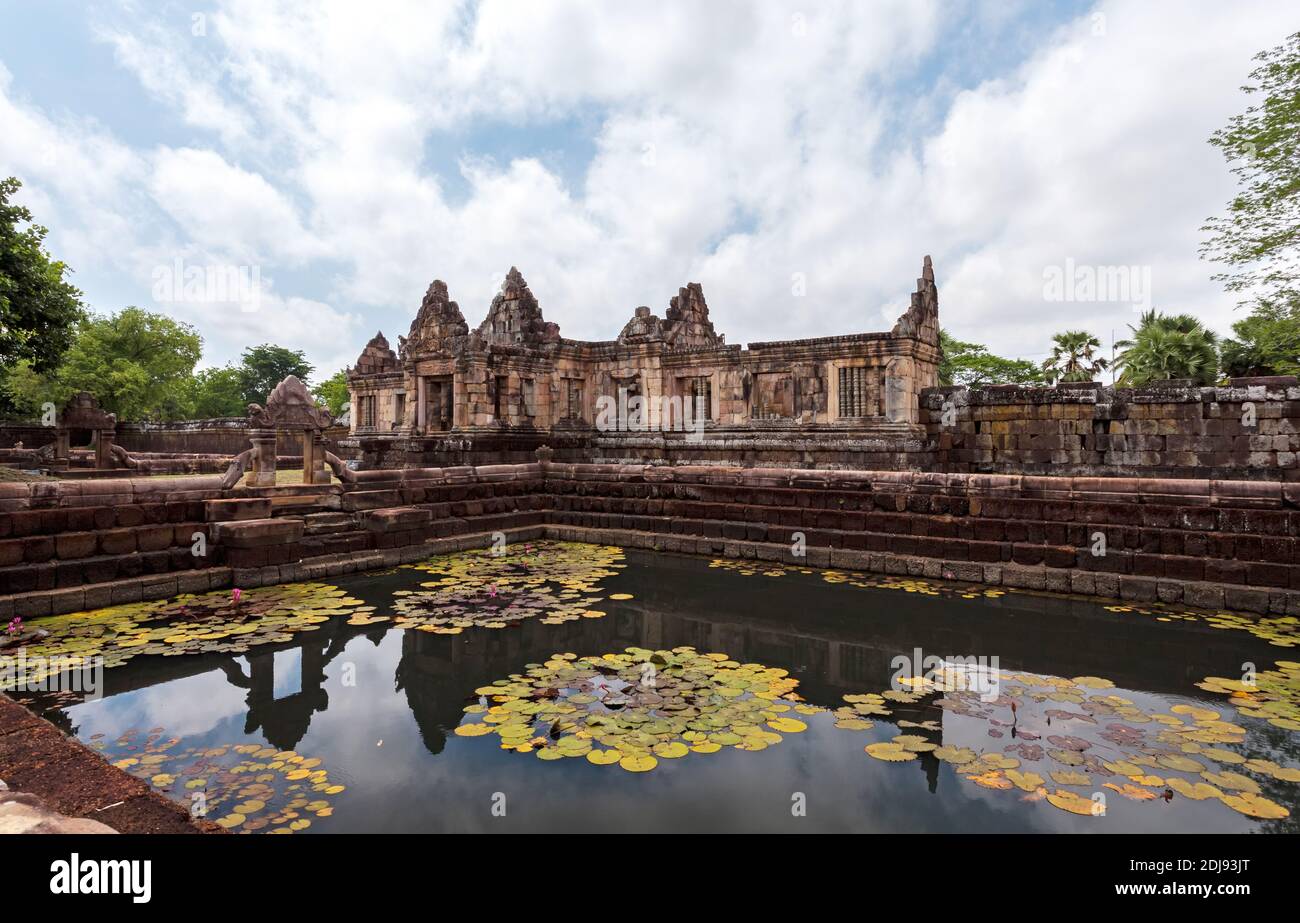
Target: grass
(14, 475)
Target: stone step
(396, 518)
(229, 510)
(371, 499)
(299, 505)
(53, 575)
(328, 523)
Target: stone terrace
(70, 546)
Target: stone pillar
(104, 439)
(318, 473)
(896, 399)
(420, 403)
(263, 471)
(309, 464)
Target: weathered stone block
(257, 533)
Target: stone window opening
(528, 397)
(399, 408)
(853, 391)
(366, 410)
(498, 396)
(573, 399)
(699, 390)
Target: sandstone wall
(1249, 430)
(225, 436)
(1231, 544)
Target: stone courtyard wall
(1248, 430)
(225, 436)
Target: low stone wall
(224, 436)
(1250, 430)
(882, 446)
(31, 435)
(1231, 544)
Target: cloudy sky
(798, 159)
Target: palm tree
(1074, 357)
(1167, 346)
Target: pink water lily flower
(235, 594)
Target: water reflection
(379, 705)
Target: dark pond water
(377, 705)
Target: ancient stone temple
(667, 389)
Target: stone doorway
(439, 406)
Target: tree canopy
(1265, 343)
(333, 392)
(1167, 346)
(265, 366)
(1074, 357)
(1259, 235)
(39, 308)
(972, 364)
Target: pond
(565, 687)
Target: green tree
(1074, 357)
(39, 308)
(1259, 236)
(1265, 343)
(1167, 346)
(26, 390)
(136, 362)
(216, 392)
(333, 392)
(972, 364)
(263, 367)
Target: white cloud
(734, 144)
(224, 208)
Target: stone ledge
(100, 595)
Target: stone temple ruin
(495, 393)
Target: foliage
(265, 366)
(1074, 357)
(1265, 343)
(972, 364)
(638, 707)
(26, 390)
(216, 392)
(257, 788)
(1167, 346)
(38, 307)
(554, 582)
(333, 392)
(136, 362)
(1259, 236)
